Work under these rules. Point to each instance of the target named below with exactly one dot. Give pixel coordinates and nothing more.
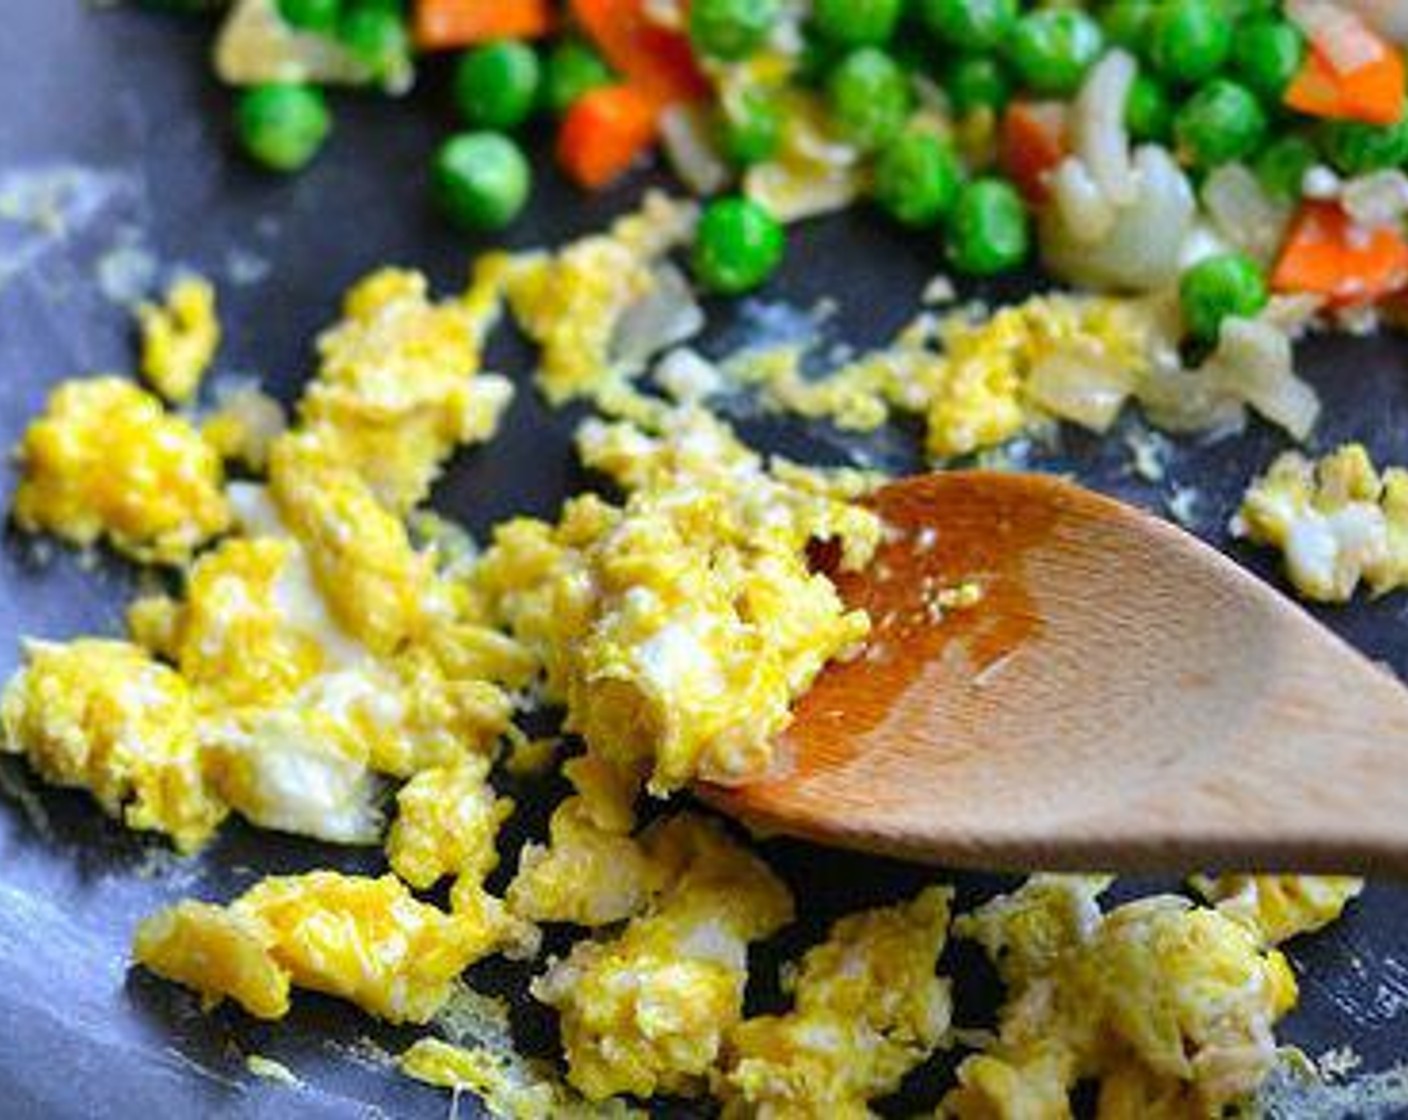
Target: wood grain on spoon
(1122, 697)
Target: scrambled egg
(592, 872)
(105, 717)
(647, 1011)
(869, 1008)
(397, 388)
(1280, 907)
(679, 628)
(573, 303)
(1160, 1000)
(447, 819)
(506, 1085)
(981, 395)
(179, 338)
(243, 426)
(106, 461)
(365, 940)
(344, 639)
(1338, 521)
(978, 381)
(360, 552)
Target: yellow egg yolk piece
(103, 716)
(105, 461)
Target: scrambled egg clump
(105, 717)
(1338, 522)
(978, 381)
(572, 303)
(1280, 907)
(179, 338)
(981, 395)
(365, 940)
(592, 872)
(869, 1008)
(107, 461)
(447, 819)
(679, 628)
(396, 390)
(507, 1085)
(647, 1011)
(1170, 1006)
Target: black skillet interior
(124, 99)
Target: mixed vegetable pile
(1003, 126)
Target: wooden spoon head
(1105, 703)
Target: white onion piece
(1376, 200)
(1242, 212)
(687, 136)
(1254, 361)
(1099, 135)
(1388, 17)
(1087, 212)
(1080, 385)
(1341, 35)
(1141, 250)
(255, 45)
(665, 317)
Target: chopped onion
(665, 317)
(687, 135)
(1254, 362)
(1100, 136)
(255, 45)
(1340, 35)
(1141, 250)
(1242, 212)
(1376, 200)
(1388, 17)
(1087, 212)
(1081, 385)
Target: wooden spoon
(1122, 697)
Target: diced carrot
(1373, 92)
(1328, 255)
(656, 60)
(1033, 143)
(447, 24)
(605, 131)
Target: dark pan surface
(124, 99)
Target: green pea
(856, 23)
(750, 128)
(1218, 288)
(738, 246)
(988, 229)
(496, 85)
(977, 82)
(969, 25)
(1355, 148)
(376, 36)
(1148, 113)
(731, 29)
(1267, 55)
(1052, 48)
(480, 180)
(282, 125)
(869, 97)
(1282, 165)
(917, 179)
(1190, 40)
(1127, 23)
(1223, 121)
(311, 15)
(572, 69)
